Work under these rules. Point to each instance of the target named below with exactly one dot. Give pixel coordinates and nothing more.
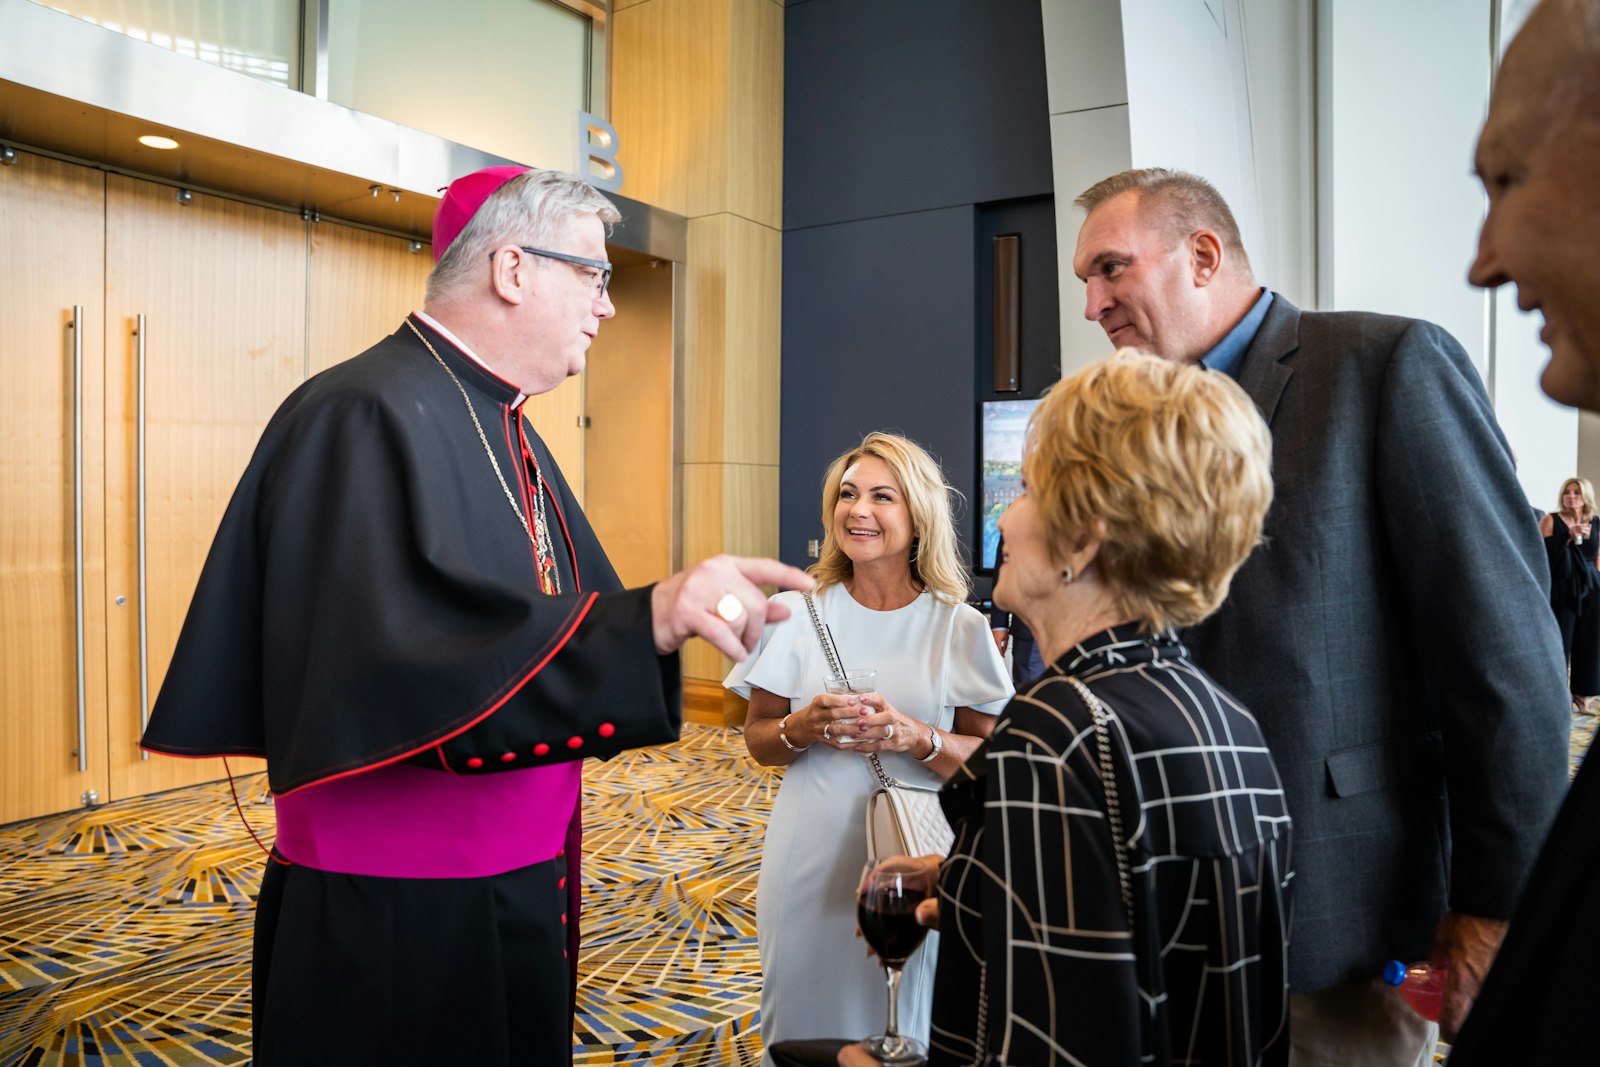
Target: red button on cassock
(606, 729)
(563, 918)
(474, 763)
(541, 749)
(574, 742)
(561, 884)
(507, 757)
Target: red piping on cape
(513, 691)
(572, 549)
(243, 753)
(577, 619)
(518, 450)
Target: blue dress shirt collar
(1229, 351)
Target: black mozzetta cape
(370, 596)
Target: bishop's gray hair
(530, 209)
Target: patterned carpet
(125, 931)
(1583, 730)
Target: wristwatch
(937, 740)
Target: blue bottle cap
(1394, 972)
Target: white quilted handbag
(901, 821)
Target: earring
(1066, 576)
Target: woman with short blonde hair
(1119, 887)
(1170, 472)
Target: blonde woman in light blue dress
(892, 591)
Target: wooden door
(628, 445)
(52, 218)
(222, 286)
(363, 285)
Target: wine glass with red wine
(886, 907)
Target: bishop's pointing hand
(720, 600)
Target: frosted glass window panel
(504, 76)
(260, 38)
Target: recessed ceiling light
(151, 140)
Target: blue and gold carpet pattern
(125, 931)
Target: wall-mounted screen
(1005, 422)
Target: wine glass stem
(891, 1033)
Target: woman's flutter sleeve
(781, 660)
(977, 677)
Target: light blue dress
(931, 657)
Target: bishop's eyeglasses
(600, 279)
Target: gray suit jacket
(1394, 639)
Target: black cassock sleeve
(574, 706)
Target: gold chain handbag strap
(543, 547)
(1108, 783)
(838, 671)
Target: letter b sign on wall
(597, 153)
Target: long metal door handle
(144, 614)
(77, 526)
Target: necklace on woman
(539, 533)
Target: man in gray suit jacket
(1392, 634)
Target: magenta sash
(404, 821)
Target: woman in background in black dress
(1575, 585)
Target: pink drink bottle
(1421, 984)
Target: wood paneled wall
(53, 231)
(362, 285)
(217, 367)
(628, 386)
(241, 303)
(697, 99)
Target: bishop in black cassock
(407, 614)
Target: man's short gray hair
(530, 209)
(1183, 202)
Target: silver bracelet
(785, 737)
(934, 738)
